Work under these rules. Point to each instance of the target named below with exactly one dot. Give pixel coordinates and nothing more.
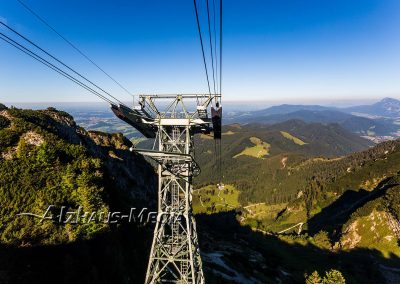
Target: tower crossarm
(154, 111)
(168, 159)
(177, 105)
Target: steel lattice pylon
(175, 255)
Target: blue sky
(277, 50)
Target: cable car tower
(172, 120)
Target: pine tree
(334, 277)
(314, 278)
(322, 240)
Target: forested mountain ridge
(352, 123)
(46, 159)
(262, 167)
(387, 107)
(282, 173)
(379, 119)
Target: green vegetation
(2, 107)
(46, 162)
(330, 210)
(336, 205)
(273, 217)
(321, 240)
(4, 122)
(260, 149)
(8, 138)
(54, 172)
(338, 210)
(370, 231)
(210, 199)
(314, 278)
(284, 257)
(331, 277)
(294, 139)
(392, 201)
(285, 172)
(37, 178)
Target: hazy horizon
(245, 105)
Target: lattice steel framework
(175, 255)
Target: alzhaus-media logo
(63, 215)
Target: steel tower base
(175, 255)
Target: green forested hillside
(331, 211)
(280, 173)
(46, 159)
(343, 214)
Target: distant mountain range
(387, 107)
(376, 119)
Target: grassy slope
(260, 149)
(215, 200)
(294, 139)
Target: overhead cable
(215, 45)
(202, 46)
(73, 46)
(211, 44)
(59, 61)
(51, 66)
(220, 47)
